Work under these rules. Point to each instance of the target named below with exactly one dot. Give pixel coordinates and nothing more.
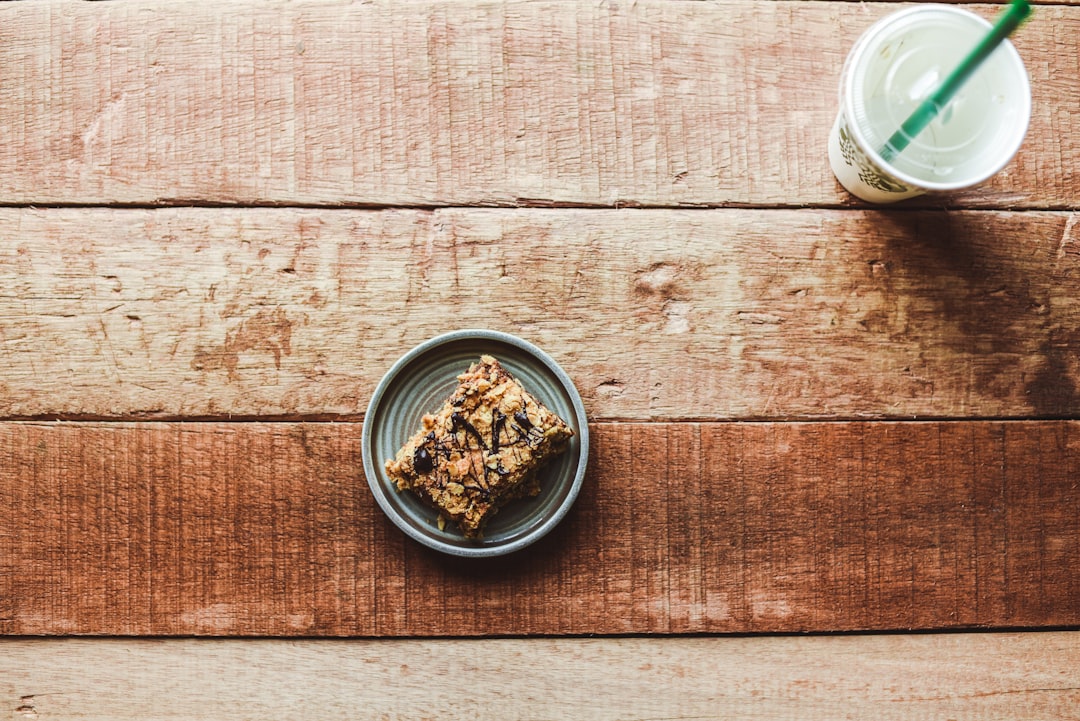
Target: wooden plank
(180, 313)
(507, 103)
(269, 529)
(1008, 676)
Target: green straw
(1017, 11)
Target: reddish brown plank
(462, 103)
(236, 529)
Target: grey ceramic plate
(419, 383)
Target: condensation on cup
(892, 68)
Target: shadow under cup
(892, 68)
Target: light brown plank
(1011, 677)
(269, 529)
(689, 314)
(330, 102)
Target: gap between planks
(358, 419)
(852, 204)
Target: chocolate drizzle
(459, 422)
(422, 461)
(498, 421)
(466, 439)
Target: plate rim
(375, 480)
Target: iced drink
(893, 67)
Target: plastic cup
(892, 68)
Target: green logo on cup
(868, 172)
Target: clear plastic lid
(900, 61)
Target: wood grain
(695, 527)
(468, 103)
(1011, 677)
(699, 314)
(269, 529)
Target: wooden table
(820, 429)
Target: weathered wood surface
(699, 314)
(253, 529)
(966, 677)
(335, 102)
(233, 529)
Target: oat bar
(481, 449)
